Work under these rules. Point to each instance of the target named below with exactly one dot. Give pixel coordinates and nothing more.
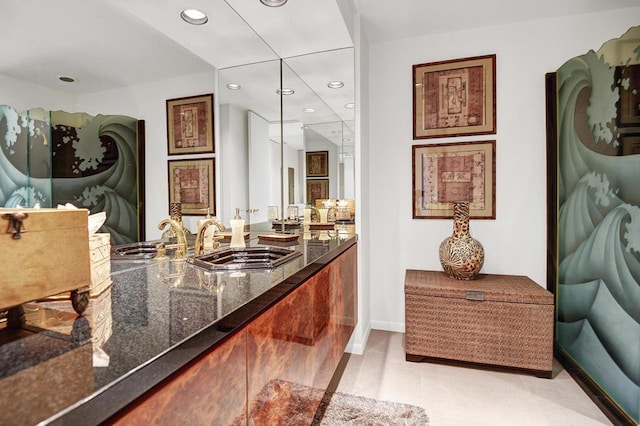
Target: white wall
(264, 169)
(515, 243)
(234, 165)
(22, 95)
(148, 102)
(291, 159)
(360, 335)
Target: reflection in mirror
(310, 122)
(347, 162)
(54, 157)
(326, 129)
(598, 208)
(250, 159)
(251, 132)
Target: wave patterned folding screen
(597, 263)
(50, 158)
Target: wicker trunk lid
(494, 288)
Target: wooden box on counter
(100, 256)
(497, 320)
(47, 253)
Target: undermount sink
(245, 258)
(142, 250)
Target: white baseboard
(358, 341)
(397, 327)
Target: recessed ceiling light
(346, 139)
(194, 16)
(335, 84)
(308, 110)
(350, 105)
(273, 3)
(285, 92)
(66, 78)
(233, 86)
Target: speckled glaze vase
(461, 255)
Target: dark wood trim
(456, 363)
(552, 180)
(141, 180)
(593, 391)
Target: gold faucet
(202, 229)
(176, 227)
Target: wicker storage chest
(497, 320)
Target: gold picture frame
(190, 125)
(317, 163)
(455, 97)
(317, 189)
(192, 184)
(444, 173)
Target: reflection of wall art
(190, 125)
(455, 97)
(444, 173)
(628, 83)
(317, 189)
(54, 157)
(630, 143)
(191, 183)
(593, 239)
(317, 164)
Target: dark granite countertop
(154, 319)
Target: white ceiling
(114, 43)
(398, 19)
(107, 44)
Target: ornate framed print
(317, 189)
(192, 184)
(317, 164)
(444, 173)
(455, 97)
(190, 125)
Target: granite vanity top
(154, 319)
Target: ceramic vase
(461, 255)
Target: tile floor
(455, 396)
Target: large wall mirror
(273, 114)
(130, 59)
(594, 243)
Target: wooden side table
(494, 320)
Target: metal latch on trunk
(16, 225)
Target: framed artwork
(190, 125)
(455, 97)
(317, 189)
(317, 164)
(630, 143)
(192, 184)
(444, 173)
(627, 79)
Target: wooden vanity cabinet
(255, 377)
